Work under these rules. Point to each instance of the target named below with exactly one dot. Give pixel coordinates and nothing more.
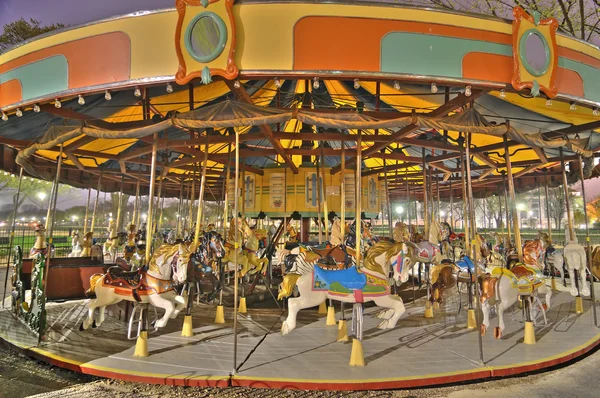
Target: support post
(358, 197)
(149, 226)
(12, 235)
(119, 207)
(511, 190)
(587, 244)
(387, 199)
(201, 196)
(96, 201)
(324, 194)
(343, 193)
(465, 219)
(236, 249)
(506, 207)
(425, 199)
(566, 193)
(136, 204)
(87, 209)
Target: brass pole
(227, 178)
(587, 243)
(451, 206)
(136, 203)
(87, 209)
(119, 207)
(425, 199)
(343, 192)
(548, 211)
(236, 249)
(149, 225)
(358, 197)
(506, 206)
(465, 219)
(12, 236)
(179, 208)
(96, 201)
(511, 190)
(319, 203)
(324, 193)
(539, 189)
(566, 192)
(437, 187)
(201, 196)
(409, 217)
(473, 228)
(192, 194)
(387, 199)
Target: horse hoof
(497, 333)
(383, 325)
(483, 330)
(285, 329)
(94, 324)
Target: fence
(25, 237)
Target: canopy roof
(293, 125)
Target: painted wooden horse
(39, 245)
(352, 285)
(572, 257)
(167, 269)
(205, 263)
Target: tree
(18, 31)
(580, 18)
(557, 205)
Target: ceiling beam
(264, 128)
(456, 102)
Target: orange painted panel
(490, 67)
(10, 92)
(354, 43)
(98, 59)
(569, 82)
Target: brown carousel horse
(596, 262)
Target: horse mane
(389, 248)
(163, 250)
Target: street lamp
(520, 206)
(399, 209)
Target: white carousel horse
(428, 252)
(503, 286)
(352, 285)
(76, 248)
(168, 268)
(574, 257)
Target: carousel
(285, 132)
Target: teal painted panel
(589, 74)
(39, 78)
(416, 53)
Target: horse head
(214, 242)
(179, 263)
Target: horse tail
(93, 280)
(488, 289)
(287, 286)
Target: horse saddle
(117, 276)
(524, 278)
(465, 265)
(349, 278)
(327, 262)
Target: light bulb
(434, 88)
(549, 103)
(80, 100)
(468, 91)
(277, 83)
(4, 116)
(596, 112)
(19, 113)
(502, 93)
(573, 106)
(356, 84)
(169, 88)
(316, 83)
(107, 95)
(137, 92)
(236, 84)
(36, 108)
(57, 103)
(396, 85)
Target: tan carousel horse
(250, 251)
(75, 245)
(167, 268)
(231, 245)
(596, 261)
(87, 244)
(39, 245)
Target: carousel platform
(418, 352)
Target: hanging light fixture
(137, 92)
(4, 116)
(316, 84)
(502, 93)
(396, 85)
(434, 88)
(169, 88)
(236, 84)
(595, 112)
(548, 102)
(356, 84)
(80, 100)
(107, 95)
(19, 113)
(57, 103)
(468, 91)
(573, 107)
(277, 82)
(36, 108)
